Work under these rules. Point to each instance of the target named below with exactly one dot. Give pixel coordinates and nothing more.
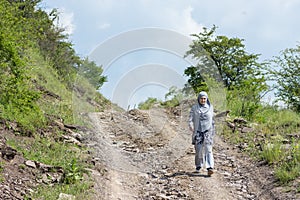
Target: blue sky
(267, 26)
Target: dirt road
(148, 155)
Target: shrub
(149, 103)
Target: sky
(267, 27)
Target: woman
(202, 125)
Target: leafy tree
(237, 69)
(92, 73)
(196, 82)
(54, 46)
(29, 26)
(235, 65)
(287, 77)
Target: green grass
(289, 169)
(81, 190)
(272, 140)
(68, 105)
(282, 150)
(47, 78)
(284, 121)
(67, 156)
(71, 103)
(35, 95)
(273, 153)
(287, 172)
(48, 151)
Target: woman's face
(202, 100)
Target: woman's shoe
(210, 171)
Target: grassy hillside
(44, 91)
(37, 135)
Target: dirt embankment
(148, 155)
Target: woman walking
(202, 125)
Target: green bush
(149, 103)
(273, 152)
(74, 172)
(242, 103)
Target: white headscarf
(201, 94)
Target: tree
(239, 71)
(54, 45)
(287, 77)
(234, 64)
(29, 26)
(92, 73)
(196, 82)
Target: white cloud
(185, 23)
(175, 15)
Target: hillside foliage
(43, 83)
(286, 74)
(30, 45)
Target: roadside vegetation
(67, 157)
(45, 85)
(43, 82)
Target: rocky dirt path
(148, 155)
